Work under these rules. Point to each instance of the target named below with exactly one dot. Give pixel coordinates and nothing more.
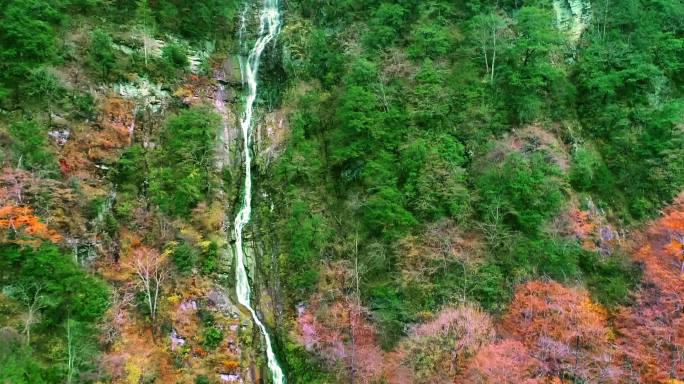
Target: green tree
(305, 234)
(31, 146)
(385, 25)
(184, 256)
(431, 98)
(180, 178)
(430, 40)
(44, 86)
(489, 32)
(524, 191)
(385, 215)
(102, 52)
(531, 81)
(28, 35)
(176, 56)
(435, 180)
(212, 337)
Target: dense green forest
(408, 120)
(436, 155)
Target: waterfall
(269, 26)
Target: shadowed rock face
(573, 16)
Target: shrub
(212, 337)
(523, 192)
(184, 257)
(176, 56)
(31, 146)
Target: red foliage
(91, 145)
(651, 332)
(504, 362)
(396, 369)
(344, 335)
(563, 329)
(12, 185)
(551, 333)
(548, 309)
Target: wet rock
(232, 74)
(176, 340)
(217, 299)
(60, 136)
(188, 305)
(230, 378)
(145, 93)
(58, 121)
(221, 301)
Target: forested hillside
(436, 191)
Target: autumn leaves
(20, 225)
(549, 333)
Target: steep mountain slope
(405, 191)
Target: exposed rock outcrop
(573, 16)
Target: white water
(269, 26)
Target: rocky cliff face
(573, 16)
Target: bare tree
(71, 352)
(145, 19)
(32, 298)
(488, 30)
(151, 268)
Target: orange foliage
(231, 365)
(548, 309)
(91, 145)
(583, 227)
(564, 330)
(22, 220)
(504, 362)
(651, 332)
(136, 349)
(199, 352)
(591, 228)
(195, 90)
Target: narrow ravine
(269, 26)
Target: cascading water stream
(269, 26)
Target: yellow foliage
(173, 299)
(183, 92)
(595, 307)
(134, 372)
(170, 248)
(191, 233)
(205, 245)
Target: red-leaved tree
(651, 332)
(564, 330)
(504, 362)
